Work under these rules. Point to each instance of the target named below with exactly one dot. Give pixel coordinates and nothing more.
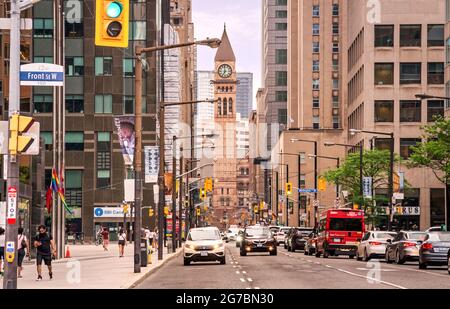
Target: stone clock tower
(225, 199)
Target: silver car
(373, 245)
(404, 247)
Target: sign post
(11, 216)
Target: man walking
(45, 248)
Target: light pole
(337, 159)
(213, 43)
(316, 208)
(391, 168)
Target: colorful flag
(55, 185)
(49, 199)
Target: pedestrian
(45, 248)
(151, 236)
(22, 250)
(105, 236)
(2, 249)
(122, 242)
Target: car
(435, 229)
(310, 244)
(279, 237)
(232, 233)
(434, 250)
(297, 238)
(448, 261)
(258, 239)
(404, 247)
(239, 238)
(287, 231)
(274, 228)
(373, 245)
(204, 244)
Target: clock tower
(225, 199)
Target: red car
(339, 232)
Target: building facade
(244, 94)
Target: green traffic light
(114, 9)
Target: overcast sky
(243, 20)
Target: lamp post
(316, 208)
(391, 168)
(337, 159)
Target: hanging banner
(127, 137)
(367, 187)
(151, 157)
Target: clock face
(225, 71)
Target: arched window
(219, 107)
(231, 89)
(226, 89)
(225, 109)
(230, 105)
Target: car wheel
(223, 261)
(386, 257)
(306, 252)
(187, 262)
(273, 252)
(326, 254)
(351, 257)
(448, 264)
(358, 258)
(285, 246)
(237, 245)
(317, 254)
(366, 256)
(422, 265)
(243, 253)
(399, 260)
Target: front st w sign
(11, 215)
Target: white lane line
(244, 272)
(242, 279)
(249, 279)
(372, 279)
(237, 272)
(234, 266)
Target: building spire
(225, 51)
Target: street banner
(127, 137)
(168, 178)
(367, 187)
(151, 157)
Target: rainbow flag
(55, 185)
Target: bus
(339, 232)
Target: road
(290, 270)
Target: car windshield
(385, 235)
(303, 233)
(439, 236)
(417, 236)
(257, 231)
(209, 234)
(341, 224)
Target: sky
(243, 20)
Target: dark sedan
(434, 250)
(258, 239)
(297, 238)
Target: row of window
(334, 10)
(75, 104)
(410, 73)
(405, 145)
(410, 35)
(410, 111)
(103, 66)
(225, 107)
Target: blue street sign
(41, 74)
(307, 191)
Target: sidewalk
(91, 268)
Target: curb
(153, 270)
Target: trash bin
(144, 252)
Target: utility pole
(180, 200)
(174, 192)
(316, 207)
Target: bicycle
(99, 240)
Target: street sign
(337, 202)
(407, 211)
(367, 187)
(316, 203)
(41, 74)
(11, 215)
(129, 190)
(307, 191)
(151, 154)
(399, 196)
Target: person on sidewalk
(105, 236)
(22, 250)
(2, 249)
(45, 248)
(122, 242)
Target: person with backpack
(2, 249)
(22, 250)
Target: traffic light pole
(10, 275)
(180, 202)
(174, 193)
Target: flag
(55, 185)
(49, 199)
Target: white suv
(204, 244)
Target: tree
(434, 153)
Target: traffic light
(166, 211)
(19, 125)
(209, 185)
(112, 23)
(322, 186)
(151, 213)
(198, 211)
(202, 193)
(289, 188)
(126, 208)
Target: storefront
(112, 218)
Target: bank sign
(109, 212)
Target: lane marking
(237, 272)
(372, 279)
(242, 279)
(244, 272)
(249, 279)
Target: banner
(127, 137)
(151, 154)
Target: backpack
(23, 243)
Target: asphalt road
(290, 270)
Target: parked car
(280, 237)
(435, 229)
(448, 261)
(258, 239)
(434, 250)
(404, 247)
(239, 238)
(310, 244)
(204, 244)
(287, 232)
(232, 233)
(373, 245)
(297, 238)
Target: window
(410, 73)
(48, 140)
(447, 51)
(281, 78)
(74, 66)
(335, 9)
(128, 67)
(435, 108)
(384, 35)
(410, 111)
(435, 73)
(437, 207)
(43, 103)
(281, 56)
(74, 29)
(128, 104)
(281, 26)
(103, 104)
(316, 11)
(103, 66)
(45, 59)
(384, 111)
(335, 28)
(384, 73)
(316, 84)
(75, 141)
(138, 30)
(335, 65)
(316, 29)
(335, 101)
(74, 103)
(435, 35)
(281, 96)
(103, 159)
(335, 48)
(316, 47)
(383, 143)
(281, 14)
(43, 27)
(281, 2)
(335, 84)
(405, 146)
(25, 105)
(336, 122)
(282, 116)
(316, 65)
(230, 105)
(74, 187)
(316, 103)
(410, 35)
(316, 123)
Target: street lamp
(391, 167)
(337, 159)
